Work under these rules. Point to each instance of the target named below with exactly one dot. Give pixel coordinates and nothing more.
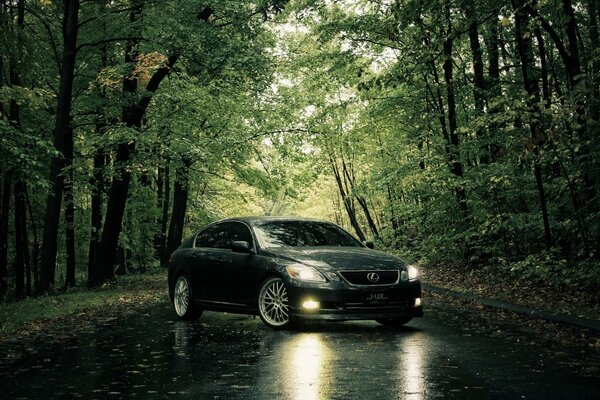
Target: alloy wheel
(273, 303)
(182, 296)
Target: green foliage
(266, 104)
(372, 75)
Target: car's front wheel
(394, 322)
(182, 299)
(273, 303)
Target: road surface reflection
(411, 362)
(308, 355)
(348, 360)
(223, 356)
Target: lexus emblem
(372, 277)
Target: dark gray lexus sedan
(288, 269)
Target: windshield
(303, 233)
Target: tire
(273, 303)
(394, 322)
(183, 300)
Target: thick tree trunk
(574, 64)
(132, 117)
(62, 130)
(22, 264)
(115, 209)
(105, 258)
(97, 182)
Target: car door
(206, 259)
(238, 269)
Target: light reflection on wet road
(230, 356)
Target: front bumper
(342, 302)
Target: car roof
(262, 219)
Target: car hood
(331, 259)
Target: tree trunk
(98, 185)
(4, 202)
(347, 200)
(180, 198)
(594, 70)
(69, 219)
(478, 81)
(98, 180)
(4, 215)
(163, 200)
(35, 252)
(571, 58)
(62, 136)
(544, 67)
(530, 82)
(494, 90)
(361, 200)
(456, 166)
(22, 263)
(132, 117)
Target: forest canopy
(454, 132)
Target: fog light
(417, 302)
(310, 305)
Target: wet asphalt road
(449, 354)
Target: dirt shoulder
(571, 301)
(475, 285)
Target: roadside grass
(35, 313)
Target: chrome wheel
(182, 298)
(273, 303)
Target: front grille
(362, 277)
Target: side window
(220, 236)
(215, 236)
(241, 232)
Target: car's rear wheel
(394, 322)
(183, 300)
(273, 303)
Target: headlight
(304, 273)
(413, 272)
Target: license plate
(377, 298)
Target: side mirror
(369, 244)
(241, 246)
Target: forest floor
(570, 302)
(62, 315)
